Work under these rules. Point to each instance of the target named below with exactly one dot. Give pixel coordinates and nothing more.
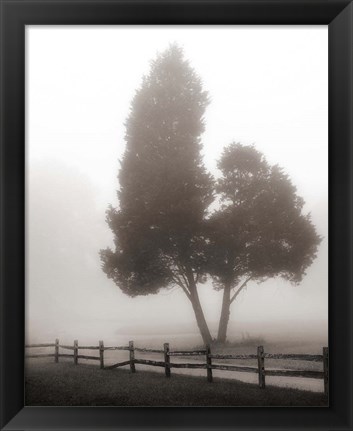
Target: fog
(267, 85)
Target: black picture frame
(15, 15)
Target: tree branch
(181, 272)
(240, 288)
(186, 291)
(177, 281)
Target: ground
(62, 384)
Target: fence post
(209, 363)
(261, 366)
(132, 356)
(75, 352)
(101, 354)
(326, 369)
(56, 350)
(166, 360)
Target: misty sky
(268, 86)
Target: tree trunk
(200, 317)
(224, 319)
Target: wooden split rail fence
(208, 365)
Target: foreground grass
(64, 384)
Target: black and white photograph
(176, 216)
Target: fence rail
(235, 368)
(312, 358)
(40, 345)
(233, 356)
(118, 364)
(187, 353)
(143, 350)
(208, 365)
(150, 362)
(117, 348)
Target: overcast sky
(268, 86)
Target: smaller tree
(259, 231)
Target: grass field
(65, 384)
